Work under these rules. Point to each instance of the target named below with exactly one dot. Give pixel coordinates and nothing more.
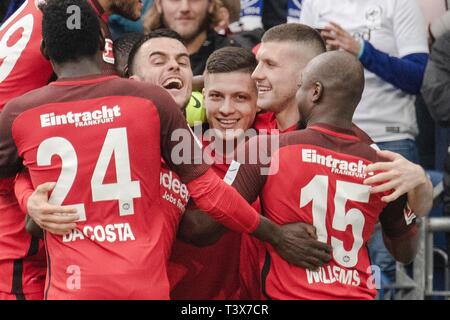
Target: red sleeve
(10, 163)
(23, 188)
(223, 203)
(179, 147)
(249, 174)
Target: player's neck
(332, 120)
(77, 69)
(195, 44)
(288, 117)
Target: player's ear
(318, 92)
(43, 49)
(135, 77)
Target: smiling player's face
(230, 102)
(165, 62)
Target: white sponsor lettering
(332, 274)
(174, 185)
(338, 166)
(118, 232)
(81, 119)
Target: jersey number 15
(317, 192)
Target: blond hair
(153, 19)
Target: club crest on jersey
(338, 166)
(108, 53)
(81, 119)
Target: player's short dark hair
(122, 48)
(296, 32)
(124, 44)
(230, 59)
(159, 33)
(64, 39)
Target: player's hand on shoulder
(299, 246)
(58, 220)
(397, 174)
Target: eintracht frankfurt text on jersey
(82, 119)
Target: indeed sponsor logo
(81, 119)
(168, 181)
(337, 166)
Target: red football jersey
(22, 66)
(266, 123)
(316, 176)
(174, 199)
(87, 136)
(22, 257)
(207, 273)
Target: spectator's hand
(58, 220)
(399, 175)
(337, 38)
(299, 246)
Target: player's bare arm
(296, 243)
(403, 250)
(199, 229)
(404, 177)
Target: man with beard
(194, 21)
